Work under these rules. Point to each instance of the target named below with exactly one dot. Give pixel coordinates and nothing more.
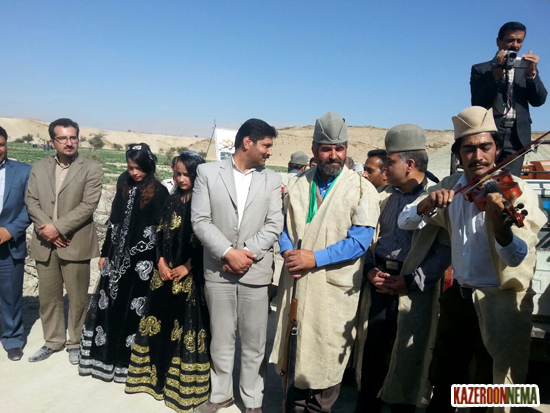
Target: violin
(501, 182)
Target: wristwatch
(495, 65)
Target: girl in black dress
(170, 358)
(127, 261)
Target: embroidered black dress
(170, 357)
(118, 304)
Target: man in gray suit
(62, 195)
(236, 213)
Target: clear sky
(175, 66)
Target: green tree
(27, 138)
(96, 141)
(117, 147)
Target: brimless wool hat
(330, 129)
(472, 120)
(404, 138)
(299, 158)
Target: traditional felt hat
(330, 129)
(299, 158)
(404, 138)
(472, 120)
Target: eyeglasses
(63, 139)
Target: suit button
(53, 202)
(235, 228)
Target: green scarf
(313, 197)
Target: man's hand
(48, 231)
(5, 235)
(179, 272)
(61, 242)
(164, 270)
(441, 198)
(101, 263)
(494, 213)
(396, 284)
(377, 277)
(533, 60)
(500, 58)
(238, 261)
(297, 261)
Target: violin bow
(512, 158)
(489, 173)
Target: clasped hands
(386, 283)
(50, 233)
(237, 261)
(167, 274)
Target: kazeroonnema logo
(483, 395)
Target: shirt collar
(321, 181)
(417, 189)
(3, 164)
(236, 168)
(70, 163)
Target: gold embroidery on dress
(184, 285)
(177, 331)
(149, 326)
(189, 341)
(156, 281)
(145, 389)
(201, 339)
(176, 221)
(177, 364)
(154, 378)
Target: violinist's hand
(437, 199)
(495, 215)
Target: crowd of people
(187, 263)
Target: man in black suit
(509, 90)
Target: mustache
(474, 164)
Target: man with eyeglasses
(62, 195)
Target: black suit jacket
(526, 92)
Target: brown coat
(78, 199)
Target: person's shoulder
(43, 162)
(448, 182)
(89, 163)
(482, 67)
(272, 174)
(19, 165)
(209, 166)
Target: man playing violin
(486, 314)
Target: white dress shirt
(469, 242)
(242, 187)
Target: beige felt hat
(330, 129)
(472, 120)
(404, 138)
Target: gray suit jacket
(214, 218)
(77, 201)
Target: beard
(331, 168)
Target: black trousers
(511, 145)
(457, 342)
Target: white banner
(225, 143)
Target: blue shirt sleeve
(353, 246)
(284, 241)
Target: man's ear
(247, 142)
